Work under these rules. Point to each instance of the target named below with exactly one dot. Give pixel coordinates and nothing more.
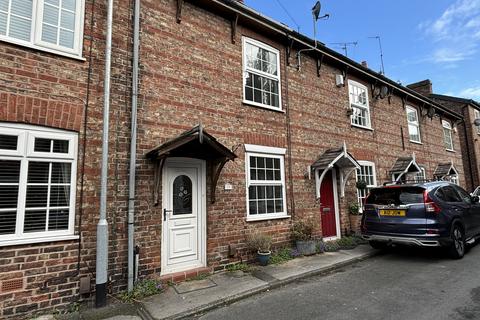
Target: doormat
(195, 285)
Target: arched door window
(182, 195)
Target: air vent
(12, 285)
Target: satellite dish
(476, 122)
(383, 92)
(316, 10)
(430, 112)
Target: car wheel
(457, 248)
(377, 244)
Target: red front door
(327, 206)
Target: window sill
(14, 242)
(450, 150)
(266, 217)
(263, 106)
(44, 49)
(416, 142)
(361, 127)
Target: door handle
(165, 214)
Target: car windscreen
(396, 196)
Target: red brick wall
(190, 73)
(469, 141)
(32, 265)
(49, 90)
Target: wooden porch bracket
(157, 178)
(179, 10)
(217, 168)
(234, 23)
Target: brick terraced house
(468, 129)
(238, 132)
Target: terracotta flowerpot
(355, 221)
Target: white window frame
(353, 105)
(246, 69)
(413, 123)
(447, 127)
(455, 179)
(35, 41)
(477, 116)
(371, 164)
(27, 133)
(265, 152)
(421, 176)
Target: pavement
(404, 283)
(191, 298)
(228, 287)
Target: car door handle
(165, 214)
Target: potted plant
(261, 244)
(361, 184)
(302, 234)
(355, 216)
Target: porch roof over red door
(194, 143)
(334, 158)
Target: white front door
(184, 215)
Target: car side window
(450, 195)
(464, 195)
(440, 195)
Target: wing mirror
(475, 199)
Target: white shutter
(9, 184)
(20, 19)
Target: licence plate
(392, 213)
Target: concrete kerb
(143, 312)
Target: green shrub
(142, 289)
(303, 230)
(331, 246)
(281, 256)
(347, 242)
(354, 209)
(259, 242)
(239, 267)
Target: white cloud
(455, 33)
(472, 93)
(446, 54)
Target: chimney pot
(364, 64)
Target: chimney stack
(364, 64)
(423, 87)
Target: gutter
(133, 146)
(277, 27)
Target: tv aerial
(344, 46)
(316, 16)
(382, 71)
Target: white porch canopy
(334, 158)
(445, 170)
(404, 165)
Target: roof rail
(391, 183)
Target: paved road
(403, 284)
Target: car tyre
(457, 247)
(379, 245)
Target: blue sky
(421, 39)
